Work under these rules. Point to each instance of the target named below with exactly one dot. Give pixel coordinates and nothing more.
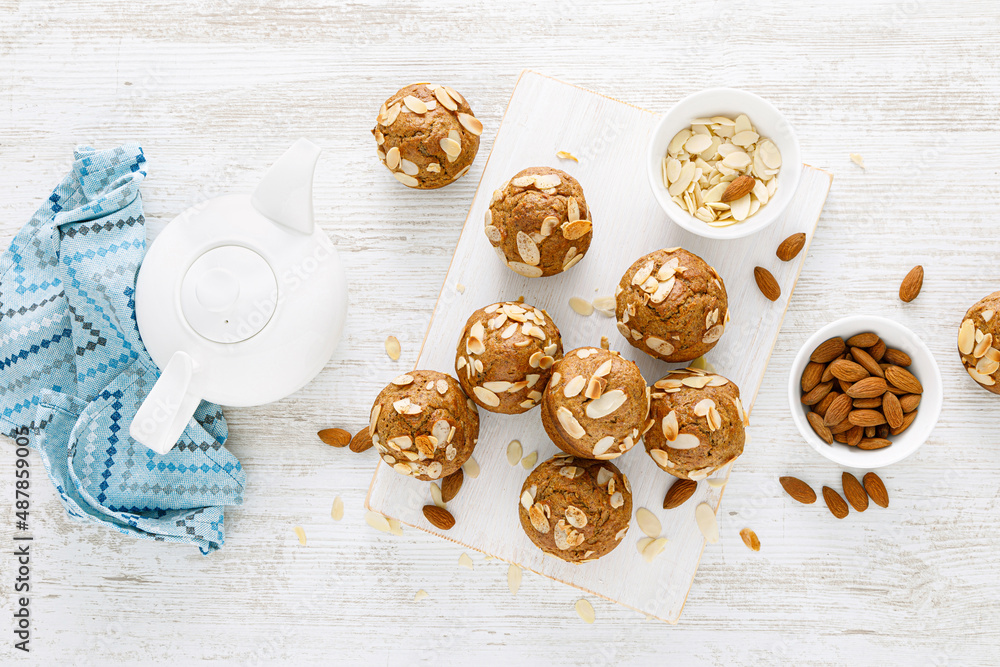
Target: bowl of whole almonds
(865, 391)
(723, 163)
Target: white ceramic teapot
(241, 301)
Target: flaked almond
(678, 493)
(798, 490)
(869, 387)
(766, 283)
(854, 492)
(847, 370)
(392, 348)
(866, 339)
(737, 189)
(867, 361)
(451, 485)
(335, 437)
(892, 410)
(819, 427)
(828, 350)
(707, 522)
(439, 517)
(910, 287)
(876, 489)
(791, 247)
(838, 410)
(750, 539)
(903, 379)
(836, 504)
(812, 375)
(361, 442)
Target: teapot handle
(285, 195)
(164, 414)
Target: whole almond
(817, 394)
(866, 339)
(892, 410)
(907, 420)
(876, 489)
(451, 484)
(870, 431)
(828, 371)
(870, 387)
(874, 443)
(828, 350)
(798, 490)
(335, 437)
(909, 402)
(750, 539)
(897, 357)
(854, 492)
(836, 504)
(903, 379)
(867, 361)
(765, 281)
(821, 430)
(838, 410)
(868, 403)
(866, 418)
(877, 351)
(811, 375)
(738, 188)
(910, 287)
(882, 431)
(361, 441)
(855, 435)
(791, 247)
(842, 427)
(678, 493)
(849, 371)
(439, 517)
(824, 405)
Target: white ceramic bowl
(768, 122)
(924, 367)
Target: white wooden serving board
(609, 138)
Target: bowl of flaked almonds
(723, 163)
(865, 391)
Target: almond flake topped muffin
(979, 342)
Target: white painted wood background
(216, 89)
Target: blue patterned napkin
(74, 371)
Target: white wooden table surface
(216, 89)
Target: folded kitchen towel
(73, 370)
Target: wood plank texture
(610, 138)
(215, 90)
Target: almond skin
(876, 489)
(678, 493)
(903, 379)
(439, 517)
(765, 281)
(361, 442)
(828, 350)
(335, 437)
(849, 371)
(910, 287)
(854, 492)
(892, 410)
(791, 247)
(868, 388)
(838, 410)
(798, 490)
(738, 188)
(821, 430)
(836, 504)
(451, 484)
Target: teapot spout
(285, 194)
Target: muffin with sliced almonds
(505, 356)
(575, 509)
(698, 423)
(595, 404)
(423, 425)
(539, 223)
(672, 305)
(979, 342)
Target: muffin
(505, 356)
(423, 425)
(427, 135)
(671, 305)
(575, 509)
(698, 423)
(979, 342)
(595, 404)
(539, 223)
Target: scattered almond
(791, 247)
(678, 493)
(876, 489)
(910, 287)
(451, 484)
(707, 522)
(581, 306)
(648, 522)
(798, 490)
(750, 539)
(471, 468)
(858, 160)
(465, 561)
(738, 188)
(392, 348)
(836, 504)
(420, 595)
(361, 441)
(335, 437)
(585, 610)
(566, 155)
(378, 521)
(439, 517)
(514, 452)
(301, 534)
(529, 461)
(514, 578)
(766, 283)
(854, 492)
(337, 510)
